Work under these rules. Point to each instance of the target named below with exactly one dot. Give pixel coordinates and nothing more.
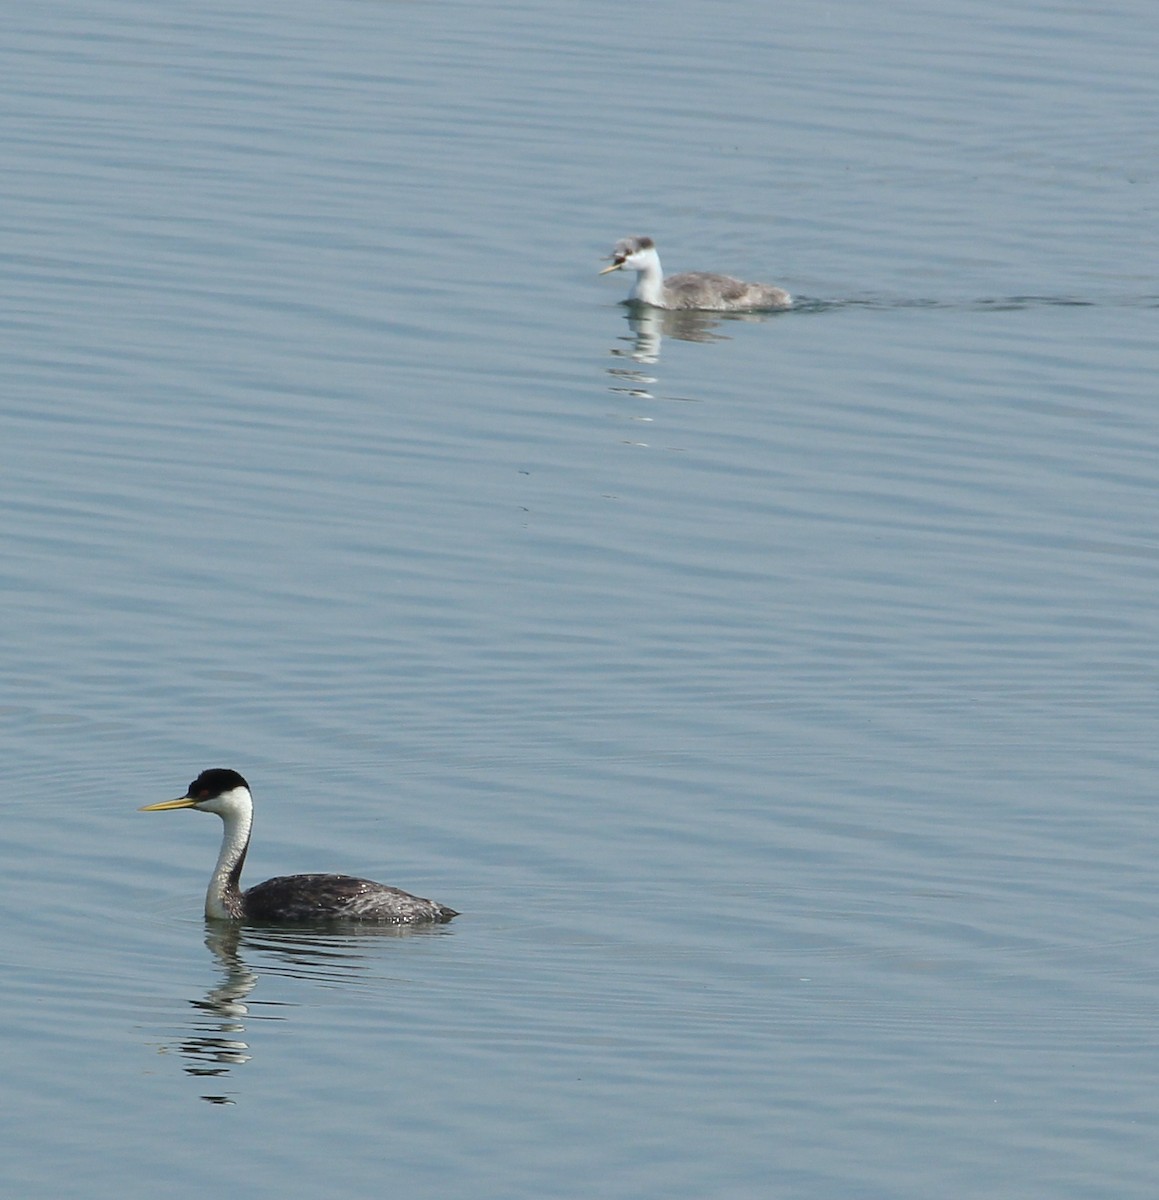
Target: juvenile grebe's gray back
(288, 897)
(693, 289)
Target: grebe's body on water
(289, 897)
(699, 290)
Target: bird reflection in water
(650, 326)
(216, 1044)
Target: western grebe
(691, 290)
(289, 897)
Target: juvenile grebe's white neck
(649, 285)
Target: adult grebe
(692, 289)
(289, 897)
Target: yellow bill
(181, 802)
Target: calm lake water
(776, 697)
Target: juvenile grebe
(692, 289)
(288, 897)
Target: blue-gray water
(776, 698)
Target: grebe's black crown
(214, 782)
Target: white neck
(223, 897)
(649, 286)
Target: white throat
(236, 811)
(649, 285)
